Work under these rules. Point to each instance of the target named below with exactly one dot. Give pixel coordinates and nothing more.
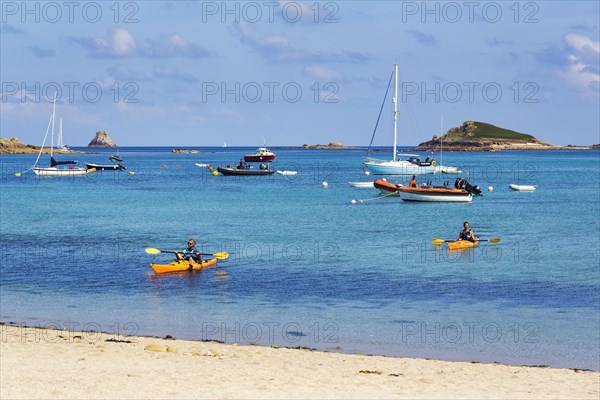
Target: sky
(287, 73)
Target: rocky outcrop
(102, 140)
(185, 151)
(14, 146)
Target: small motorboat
(115, 158)
(245, 171)
(462, 192)
(287, 173)
(362, 185)
(201, 165)
(262, 155)
(106, 167)
(522, 188)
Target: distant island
(331, 145)
(102, 139)
(480, 136)
(14, 146)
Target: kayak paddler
(190, 254)
(467, 233)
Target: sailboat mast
(53, 114)
(395, 106)
(60, 133)
(441, 138)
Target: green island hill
(481, 136)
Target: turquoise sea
(307, 267)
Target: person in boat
(190, 254)
(413, 183)
(241, 164)
(467, 233)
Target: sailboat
(61, 146)
(53, 170)
(413, 165)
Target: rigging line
(381, 110)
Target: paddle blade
(494, 240)
(151, 250)
(222, 255)
(438, 241)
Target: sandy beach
(52, 364)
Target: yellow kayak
(177, 266)
(461, 244)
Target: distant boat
(224, 144)
(245, 172)
(53, 170)
(262, 154)
(106, 167)
(288, 173)
(61, 146)
(201, 165)
(412, 166)
(522, 188)
(115, 158)
(441, 168)
(362, 185)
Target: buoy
(131, 173)
(490, 189)
(17, 174)
(383, 179)
(162, 165)
(353, 201)
(325, 184)
(367, 172)
(215, 173)
(361, 201)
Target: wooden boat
(178, 266)
(362, 185)
(262, 155)
(106, 167)
(244, 172)
(522, 188)
(461, 244)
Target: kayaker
(467, 233)
(413, 183)
(190, 254)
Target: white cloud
(117, 43)
(583, 68)
(322, 73)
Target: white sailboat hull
(522, 188)
(362, 185)
(53, 171)
(399, 167)
(447, 170)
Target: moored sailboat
(396, 166)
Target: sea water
(307, 267)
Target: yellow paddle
(223, 255)
(442, 241)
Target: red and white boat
(261, 155)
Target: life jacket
(466, 234)
(187, 253)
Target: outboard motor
(474, 190)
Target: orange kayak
(177, 266)
(461, 244)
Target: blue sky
(291, 72)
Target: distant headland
(480, 136)
(14, 146)
(331, 145)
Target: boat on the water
(461, 244)
(262, 155)
(522, 188)
(106, 167)
(54, 169)
(201, 165)
(244, 171)
(362, 185)
(462, 192)
(182, 265)
(287, 173)
(115, 158)
(411, 166)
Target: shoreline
(50, 363)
